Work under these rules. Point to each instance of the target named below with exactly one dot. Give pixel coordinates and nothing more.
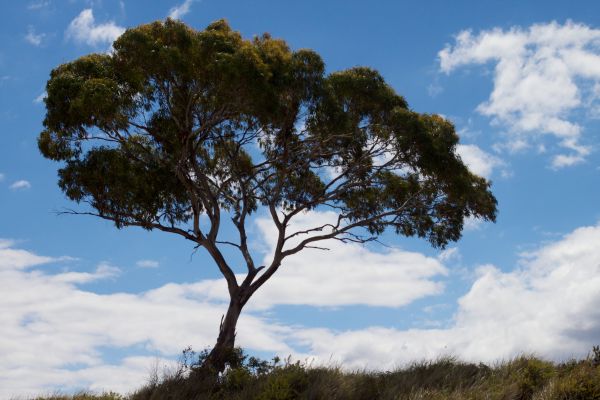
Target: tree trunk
(223, 351)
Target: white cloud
(20, 185)
(477, 160)
(346, 274)
(147, 264)
(542, 75)
(33, 38)
(179, 11)
(55, 311)
(103, 271)
(563, 160)
(391, 278)
(547, 305)
(83, 29)
(40, 310)
(17, 259)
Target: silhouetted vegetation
(177, 126)
(250, 378)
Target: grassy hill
(520, 379)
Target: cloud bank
(547, 304)
(52, 330)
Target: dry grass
(520, 379)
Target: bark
(223, 351)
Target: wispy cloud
(1, 176)
(147, 264)
(37, 5)
(542, 75)
(84, 29)
(20, 185)
(103, 271)
(179, 11)
(34, 38)
(40, 98)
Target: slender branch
(154, 225)
(345, 230)
(237, 246)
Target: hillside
(522, 378)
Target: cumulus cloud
(182, 9)
(20, 185)
(41, 310)
(479, 161)
(542, 75)
(56, 311)
(547, 305)
(84, 29)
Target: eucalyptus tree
(187, 132)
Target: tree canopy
(175, 125)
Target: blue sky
(83, 305)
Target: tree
(175, 125)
